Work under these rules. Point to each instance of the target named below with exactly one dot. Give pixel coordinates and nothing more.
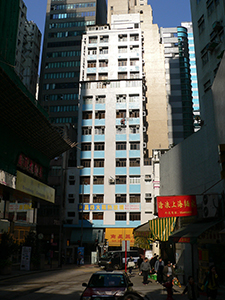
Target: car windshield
(107, 280)
(107, 255)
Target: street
(66, 284)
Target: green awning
(191, 232)
(162, 228)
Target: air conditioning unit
(148, 196)
(210, 205)
(111, 180)
(94, 196)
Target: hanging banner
(176, 206)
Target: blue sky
(166, 13)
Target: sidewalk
(16, 272)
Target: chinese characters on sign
(115, 236)
(104, 207)
(176, 206)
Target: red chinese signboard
(176, 206)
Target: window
(99, 147)
(148, 197)
(122, 49)
(134, 113)
(210, 7)
(86, 131)
(134, 145)
(91, 64)
(97, 216)
(120, 216)
(135, 179)
(122, 38)
(122, 62)
(120, 114)
(201, 24)
(134, 98)
(103, 50)
(86, 198)
(122, 75)
(134, 129)
(99, 163)
(135, 216)
(121, 198)
(92, 51)
(134, 162)
(86, 163)
(99, 130)
(71, 198)
(134, 62)
(120, 130)
(100, 99)
(91, 77)
(86, 147)
(121, 162)
(134, 37)
(87, 115)
(84, 180)
(86, 216)
(98, 180)
(88, 100)
(71, 180)
(121, 98)
(207, 86)
(100, 115)
(103, 76)
(71, 214)
(135, 198)
(134, 49)
(134, 75)
(98, 198)
(121, 146)
(121, 179)
(93, 40)
(103, 64)
(104, 39)
(204, 57)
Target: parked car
(115, 260)
(104, 284)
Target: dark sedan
(111, 285)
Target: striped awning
(161, 228)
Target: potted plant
(8, 246)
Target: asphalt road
(66, 284)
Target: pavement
(151, 291)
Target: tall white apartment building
(117, 185)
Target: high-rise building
(23, 44)
(208, 27)
(117, 185)
(66, 21)
(178, 78)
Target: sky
(166, 13)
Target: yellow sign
(34, 187)
(115, 236)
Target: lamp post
(82, 210)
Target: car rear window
(107, 280)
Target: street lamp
(82, 209)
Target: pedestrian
(130, 264)
(145, 269)
(79, 257)
(153, 261)
(140, 260)
(168, 272)
(191, 289)
(211, 283)
(159, 265)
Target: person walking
(168, 272)
(145, 269)
(130, 264)
(211, 283)
(191, 289)
(159, 265)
